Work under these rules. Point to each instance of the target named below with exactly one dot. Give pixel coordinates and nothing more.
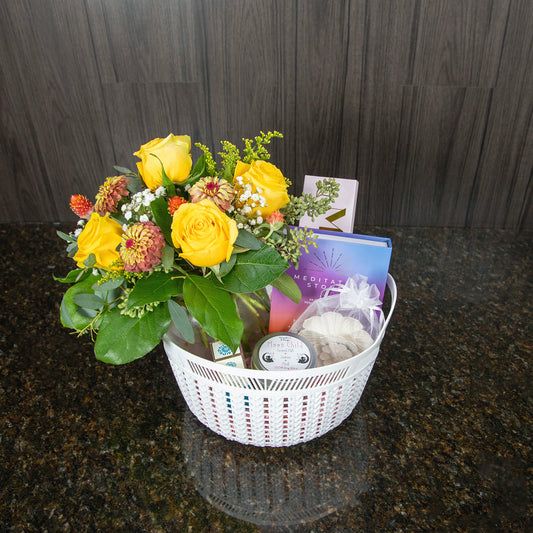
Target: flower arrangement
(177, 243)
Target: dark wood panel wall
(427, 102)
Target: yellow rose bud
(173, 152)
(264, 180)
(101, 237)
(204, 233)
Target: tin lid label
(285, 352)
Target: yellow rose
(174, 153)
(263, 179)
(204, 233)
(101, 237)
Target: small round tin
(283, 351)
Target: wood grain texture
(458, 42)
(504, 177)
(429, 103)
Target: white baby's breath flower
(77, 231)
(143, 218)
(124, 227)
(160, 191)
(127, 215)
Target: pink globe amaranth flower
(110, 194)
(141, 247)
(219, 191)
(275, 216)
(81, 206)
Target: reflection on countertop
(440, 440)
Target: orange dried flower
(81, 206)
(275, 216)
(110, 194)
(174, 203)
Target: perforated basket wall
(273, 408)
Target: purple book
(337, 257)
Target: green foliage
(180, 318)
(128, 312)
(74, 276)
(162, 217)
(247, 240)
(214, 308)
(312, 205)
(122, 339)
(78, 299)
(206, 162)
(254, 270)
(288, 287)
(167, 183)
(158, 287)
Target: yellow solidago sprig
(254, 149)
(210, 164)
(230, 155)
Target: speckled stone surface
(440, 441)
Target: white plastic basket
(265, 408)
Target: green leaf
(88, 313)
(214, 309)
(124, 170)
(254, 270)
(122, 339)
(108, 285)
(162, 217)
(199, 168)
(181, 321)
(288, 287)
(66, 237)
(167, 258)
(66, 319)
(247, 240)
(166, 181)
(158, 287)
(90, 261)
(135, 185)
(70, 318)
(88, 301)
(74, 276)
(72, 248)
(222, 269)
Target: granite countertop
(440, 440)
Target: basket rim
(292, 374)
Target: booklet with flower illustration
(337, 257)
